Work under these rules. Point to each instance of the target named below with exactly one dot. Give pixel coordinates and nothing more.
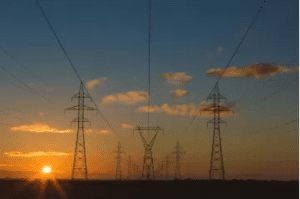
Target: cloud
(41, 114)
(205, 109)
(92, 83)
(6, 165)
(49, 90)
(109, 98)
(35, 154)
(254, 70)
(220, 49)
(39, 128)
(176, 78)
(150, 109)
(130, 97)
(179, 93)
(231, 104)
(95, 131)
(126, 126)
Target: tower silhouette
(129, 167)
(178, 152)
(216, 162)
(79, 169)
(148, 166)
(167, 167)
(118, 167)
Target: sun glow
(47, 169)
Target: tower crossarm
(80, 107)
(83, 95)
(84, 120)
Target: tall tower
(178, 152)
(129, 167)
(134, 170)
(148, 166)
(118, 168)
(216, 169)
(79, 170)
(167, 167)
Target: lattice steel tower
(167, 167)
(148, 166)
(216, 161)
(129, 167)
(79, 163)
(178, 152)
(118, 168)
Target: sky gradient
(191, 42)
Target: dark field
(149, 189)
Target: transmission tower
(148, 166)
(216, 161)
(178, 152)
(167, 167)
(118, 168)
(134, 169)
(129, 167)
(79, 164)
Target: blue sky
(108, 39)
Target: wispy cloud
(149, 109)
(179, 93)
(92, 83)
(6, 165)
(41, 114)
(50, 89)
(126, 126)
(176, 78)
(205, 109)
(130, 97)
(35, 154)
(40, 128)
(254, 70)
(95, 131)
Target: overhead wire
(80, 79)
(15, 117)
(240, 43)
(280, 89)
(149, 61)
(24, 84)
(13, 58)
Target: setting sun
(47, 169)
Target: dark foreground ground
(186, 189)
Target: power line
(73, 66)
(149, 59)
(15, 117)
(17, 61)
(31, 89)
(280, 89)
(249, 27)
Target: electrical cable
(73, 66)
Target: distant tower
(118, 168)
(79, 163)
(148, 167)
(134, 169)
(129, 167)
(216, 162)
(162, 168)
(178, 152)
(167, 167)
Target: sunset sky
(191, 44)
